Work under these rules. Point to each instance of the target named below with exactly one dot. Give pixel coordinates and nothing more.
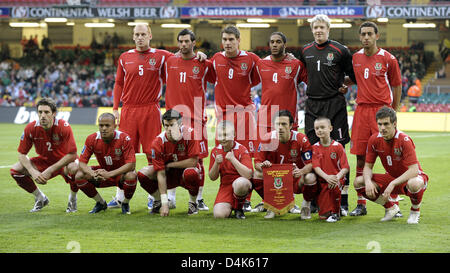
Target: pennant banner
(278, 188)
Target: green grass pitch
(52, 230)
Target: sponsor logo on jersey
(278, 183)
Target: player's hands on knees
(371, 190)
(35, 175)
(100, 175)
(43, 177)
(164, 211)
(387, 192)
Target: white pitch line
(430, 135)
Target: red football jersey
(52, 144)
(279, 86)
(186, 86)
(395, 155)
(141, 76)
(331, 159)
(234, 78)
(164, 151)
(110, 156)
(297, 150)
(227, 171)
(375, 75)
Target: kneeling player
(232, 162)
(57, 152)
(174, 163)
(403, 172)
(286, 146)
(115, 155)
(330, 165)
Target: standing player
(235, 75)
(327, 63)
(280, 75)
(55, 145)
(186, 79)
(138, 86)
(232, 163)
(287, 146)
(379, 83)
(330, 164)
(404, 175)
(115, 155)
(175, 155)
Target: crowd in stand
(84, 77)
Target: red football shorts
(42, 164)
(364, 125)
(142, 124)
(175, 178)
(226, 194)
(383, 180)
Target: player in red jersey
(139, 83)
(175, 155)
(55, 145)
(330, 164)
(283, 146)
(404, 175)
(280, 75)
(235, 75)
(115, 155)
(379, 83)
(138, 86)
(186, 79)
(232, 163)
